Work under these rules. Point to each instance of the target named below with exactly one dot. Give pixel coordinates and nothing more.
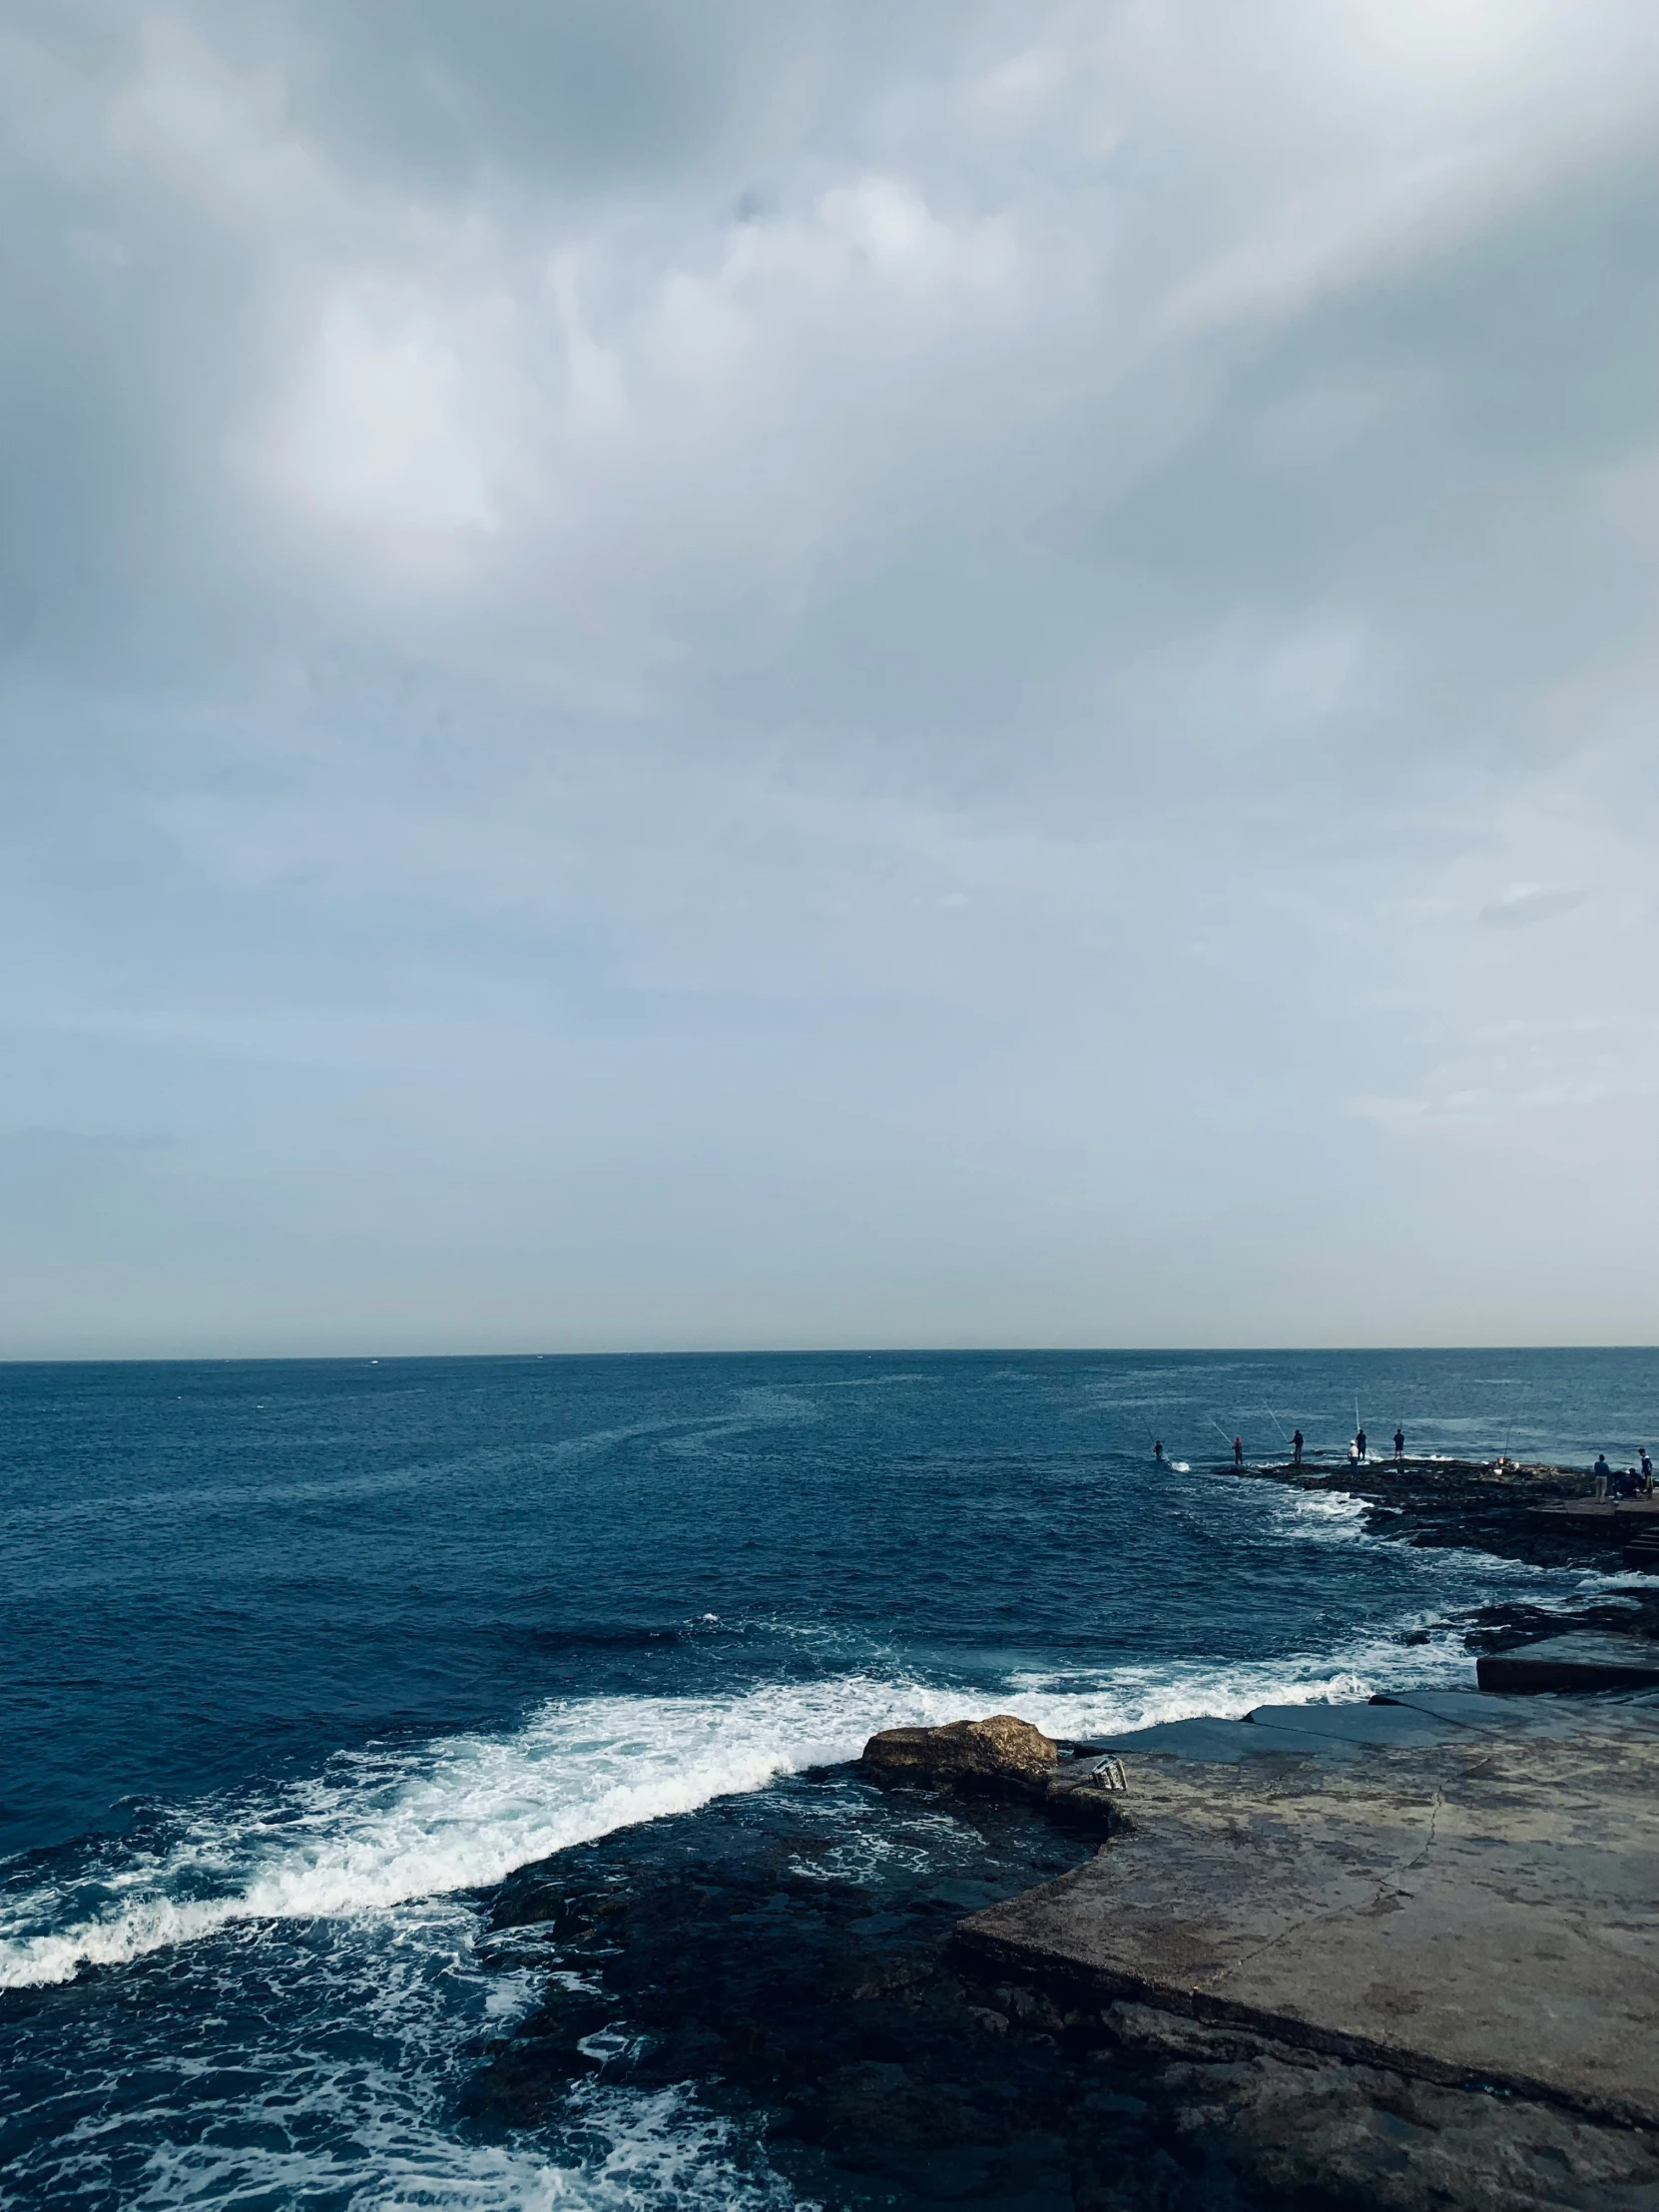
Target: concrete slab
(1212, 1740)
(1575, 1663)
(1493, 1712)
(1484, 1908)
(1355, 1723)
(1286, 1731)
(1638, 1510)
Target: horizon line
(802, 1352)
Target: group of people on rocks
(1621, 1483)
(1359, 1450)
(1625, 1481)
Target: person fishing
(1158, 1449)
(1399, 1446)
(1360, 1444)
(1296, 1449)
(1238, 1451)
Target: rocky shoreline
(1399, 1949)
(1482, 1506)
(835, 2032)
(870, 2049)
(874, 2049)
(1493, 1507)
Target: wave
(1142, 1695)
(381, 1827)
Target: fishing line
(1510, 1430)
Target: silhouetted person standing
(1158, 1449)
(1399, 1446)
(1238, 1451)
(1360, 1444)
(1295, 1448)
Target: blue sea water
(299, 1658)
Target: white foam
(290, 2109)
(1143, 1696)
(378, 1829)
(644, 2152)
(381, 1827)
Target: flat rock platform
(1637, 1510)
(1576, 1662)
(1458, 1886)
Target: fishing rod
(1154, 1440)
(1278, 1424)
(1221, 1433)
(1509, 1429)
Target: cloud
(1532, 902)
(965, 609)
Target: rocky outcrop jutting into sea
(1001, 1754)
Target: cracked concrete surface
(1480, 1909)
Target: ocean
(304, 1659)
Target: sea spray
(380, 1827)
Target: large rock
(1573, 1663)
(1001, 1753)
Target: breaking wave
(379, 1828)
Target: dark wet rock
(1504, 1627)
(834, 2024)
(875, 2066)
(1575, 1663)
(1448, 1504)
(828, 2019)
(1310, 2130)
(1484, 1505)
(998, 1753)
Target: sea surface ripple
(303, 1657)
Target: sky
(766, 673)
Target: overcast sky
(764, 671)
